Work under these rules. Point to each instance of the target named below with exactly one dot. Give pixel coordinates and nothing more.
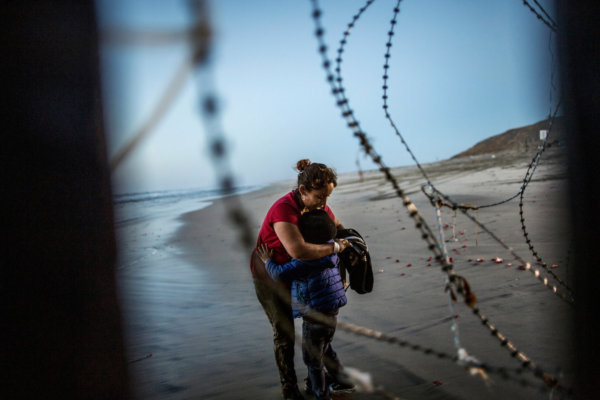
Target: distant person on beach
(317, 295)
(281, 233)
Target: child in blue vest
(317, 295)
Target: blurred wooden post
(61, 329)
(579, 43)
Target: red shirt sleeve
(284, 210)
(284, 213)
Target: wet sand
(188, 299)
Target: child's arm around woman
(289, 272)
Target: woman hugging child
(317, 295)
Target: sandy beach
(187, 295)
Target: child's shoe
(308, 385)
(341, 388)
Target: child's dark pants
(317, 353)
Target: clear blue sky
(460, 71)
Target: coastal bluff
(523, 139)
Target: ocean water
(146, 223)
(135, 208)
(174, 196)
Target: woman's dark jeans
(318, 353)
(277, 303)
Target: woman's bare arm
(339, 225)
(293, 242)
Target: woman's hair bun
(302, 164)
(314, 175)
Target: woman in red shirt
(281, 233)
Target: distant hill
(526, 138)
